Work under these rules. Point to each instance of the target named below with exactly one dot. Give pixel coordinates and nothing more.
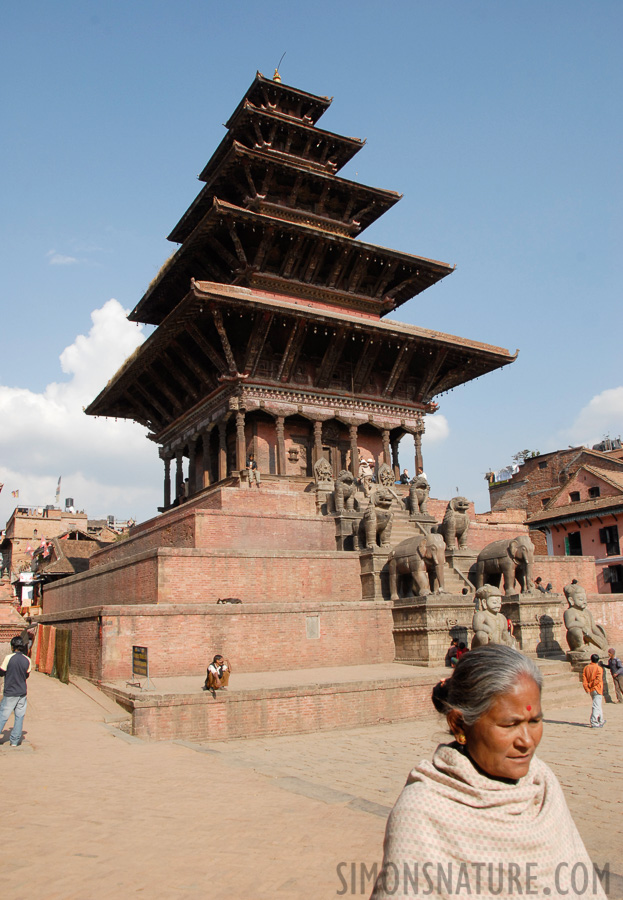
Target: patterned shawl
(454, 832)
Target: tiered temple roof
(273, 299)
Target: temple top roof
(287, 137)
(265, 93)
(252, 178)
(240, 246)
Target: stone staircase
(562, 687)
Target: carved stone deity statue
(581, 627)
(386, 475)
(419, 490)
(376, 526)
(344, 493)
(455, 523)
(488, 623)
(323, 474)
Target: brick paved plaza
(90, 812)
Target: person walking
(593, 681)
(15, 669)
(616, 668)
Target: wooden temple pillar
(419, 462)
(179, 474)
(395, 460)
(205, 460)
(386, 451)
(192, 465)
(222, 450)
(281, 445)
(317, 442)
(167, 480)
(354, 451)
(241, 443)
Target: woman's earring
(461, 738)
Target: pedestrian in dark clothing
(616, 669)
(15, 669)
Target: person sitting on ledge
(404, 478)
(459, 652)
(539, 586)
(253, 471)
(217, 677)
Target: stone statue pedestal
(579, 658)
(424, 627)
(374, 574)
(344, 529)
(424, 520)
(323, 493)
(462, 560)
(537, 623)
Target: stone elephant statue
(512, 558)
(422, 557)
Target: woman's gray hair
(480, 676)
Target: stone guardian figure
(488, 623)
(583, 633)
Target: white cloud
(58, 259)
(106, 466)
(437, 430)
(601, 417)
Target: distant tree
(523, 455)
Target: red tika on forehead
(528, 708)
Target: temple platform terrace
(298, 701)
(291, 809)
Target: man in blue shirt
(15, 669)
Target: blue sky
(499, 122)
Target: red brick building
(585, 518)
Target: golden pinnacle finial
(277, 76)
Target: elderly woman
(486, 817)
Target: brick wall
(172, 575)
(181, 641)
(560, 570)
(283, 711)
(607, 610)
(131, 581)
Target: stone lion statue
(345, 490)
(375, 528)
(419, 490)
(455, 523)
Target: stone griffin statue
(344, 492)
(488, 623)
(455, 523)
(376, 526)
(419, 490)
(580, 624)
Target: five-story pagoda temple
(271, 337)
